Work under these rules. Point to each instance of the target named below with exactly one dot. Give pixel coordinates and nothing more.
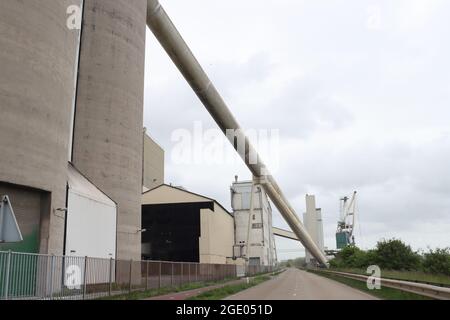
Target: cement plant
(87, 208)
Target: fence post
(84, 277)
(181, 282)
(146, 277)
(110, 276)
(159, 282)
(52, 267)
(171, 279)
(196, 272)
(189, 271)
(8, 267)
(131, 270)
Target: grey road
(294, 284)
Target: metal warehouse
(179, 225)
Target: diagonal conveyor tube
(171, 40)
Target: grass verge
(415, 276)
(384, 293)
(220, 293)
(139, 295)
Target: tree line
(393, 254)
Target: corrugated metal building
(179, 225)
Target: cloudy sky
(359, 91)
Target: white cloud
(357, 108)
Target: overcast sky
(360, 93)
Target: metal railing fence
(50, 277)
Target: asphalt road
(294, 284)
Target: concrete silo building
(71, 102)
(37, 82)
(312, 219)
(107, 146)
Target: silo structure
(38, 54)
(109, 110)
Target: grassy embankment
(384, 293)
(417, 276)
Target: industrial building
(71, 137)
(153, 163)
(179, 225)
(312, 219)
(254, 239)
(73, 96)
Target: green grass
(220, 293)
(384, 293)
(139, 295)
(418, 276)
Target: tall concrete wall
(109, 110)
(153, 162)
(37, 80)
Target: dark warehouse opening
(172, 231)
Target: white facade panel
(91, 228)
(91, 220)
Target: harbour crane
(346, 223)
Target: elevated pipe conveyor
(168, 36)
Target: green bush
(437, 261)
(351, 257)
(395, 255)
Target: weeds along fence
(49, 277)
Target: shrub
(350, 257)
(437, 261)
(395, 255)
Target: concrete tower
(37, 84)
(312, 219)
(109, 110)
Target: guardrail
(49, 277)
(432, 291)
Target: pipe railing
(168, 36)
